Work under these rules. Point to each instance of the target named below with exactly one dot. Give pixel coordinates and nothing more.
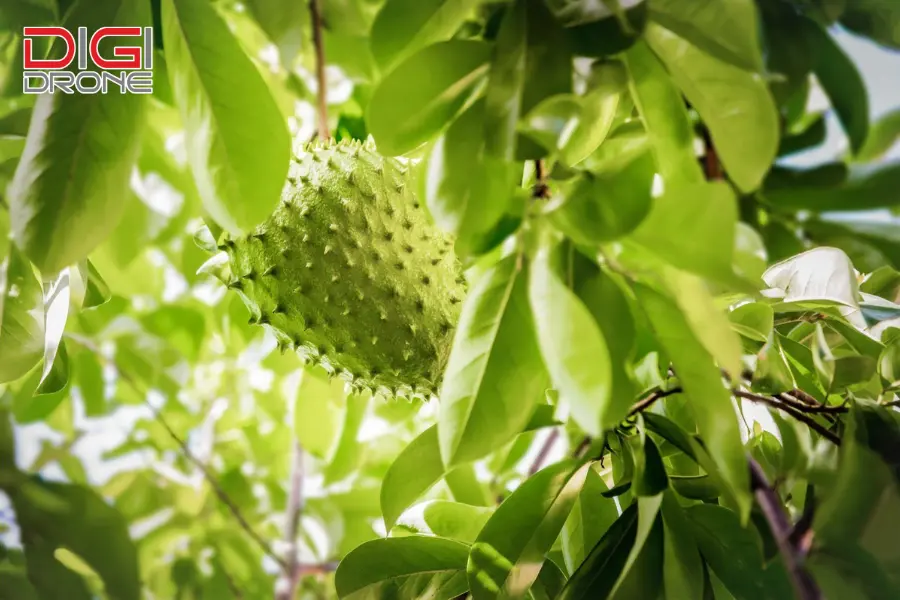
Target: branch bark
(294, 512)
(789, 409)
(805, 588)
(321, 91)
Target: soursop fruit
(350, 272)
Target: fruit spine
(350, 272)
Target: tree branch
(293, 514)
(645, 403)
(805, 587)
(828, 435)
(541, 457)
(322, 92)
(220, 493)
(540, 180)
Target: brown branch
(805, 588)
(294, 512)
(817, 408)
(207, 474)
(538, 461)
(645, 403)
(322, 92)
(712, 167)
(540, 180)
(828, 435)
(214, 483)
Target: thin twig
(207, 474)
(805, 588)
(712, 166)
(214, 483)
(540, 180)
(828, 435)
(542, 454)
(294, 512)
(802, 533)
(645, 403)
(793, 402)
(322, 95)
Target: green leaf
(349, 452)
(725, 29)
(318, 412)
(682, 565)
(96, 291)
(601, 206)
(404, 568)
(868, 187)
(598, 573)
(467, 192)
(411, 474)
(494, 375)
(403, 27)
(753, 320)
(401, 117)
(665, 117)
(817, 275)
(238, 146)
(574, 350)
(734, 553)
(66, 195)
(693, 227)
(603, 294)
(842, 83)
(883, 135)
(503, 559)
(849, 572)
(21, 317)
(599, 107)
(15, 585)
(531, 61)
(875, 19)
(72, 517)
(591, 516)
(285, 23)
(709, 400)
(56, 377)
(456, 521)
(735, 105)
(707, 321)
(649, 477)
(641, 576)
(465, 487)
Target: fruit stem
(321, 86)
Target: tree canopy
(676, 367)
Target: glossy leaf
(238, 146)
(574, 350)
(467, 192)
(734, 104)
(725, 29)
(531, 62)
(400, 117)
(404, 568)
(883, 135)
(665, 118)
(693, 228)
(456, 521)
(598, 573)
(865, 189)
(414, 471)
(591, 516)
(754, 320)
(876, 19)
(710, 401)
(682, 565)
(404, 26)
(285, 23)
(72, 517)
(504, 557)
(318, 413)
(494, 376)
(66, 195)
(602, 206)
(21, 317)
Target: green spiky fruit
(351, 273)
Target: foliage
(676, 369)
